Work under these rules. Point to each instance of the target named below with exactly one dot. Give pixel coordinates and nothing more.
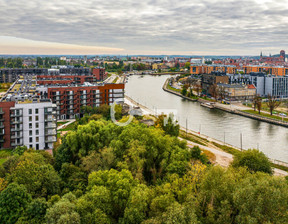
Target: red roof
(251, 86)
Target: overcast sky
(190, 27)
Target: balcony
(50, 139)
(16, 129)
(16, 115)
(50, 133)
(2, 140)
(13, 144)
(1, 125)
(16, 121)
(16, 136)
(51, 126)
(50, 119)
(1, 112)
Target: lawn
(265, 115)
(173, 89)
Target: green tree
(13, 202)
(64, 211)
(254, 160)
(39, 178)
(35, 212)
(272, 103)
(184, 91)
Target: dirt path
(224, 159)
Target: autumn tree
(257, 103)
(272, 103)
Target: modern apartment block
(29, 123)
(265, 84)
(51, 76)
(70, 99)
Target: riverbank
(229, 108)
(222, 150)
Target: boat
(208, 105)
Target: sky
(152, 27)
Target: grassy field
(265, 115)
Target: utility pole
(186, 127)
(241, 140)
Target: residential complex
(30, 108)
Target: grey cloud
(153, 25)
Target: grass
(115, 80)
(226, 148)
(173, 89)
(70, 127)
(193, 138)
(61, 123)
(265, 115)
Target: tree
(257, 103)
(64, 211)
(167, 124)
(13, 202)
(213, 90)
(35, 212)
(190, 82)
(254, 160)
(198, 89)
(222, 92)
(272, 103)
(39, 178)
(184, 91)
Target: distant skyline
(154, 27)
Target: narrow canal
(270, 139)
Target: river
(268, 138)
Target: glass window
(30, 139)
(30, 125)
(30, 118)
(37, 132)
(36, 111)
(37, 139)
(37, 125)
(30, 111)
(37, 118)
(30, 133)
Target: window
(37, 139)
(30, 125)
(37, 132)
(31, 146)
(37, 125)
(30, 133)
(30, 118)
(37, 118)
(37, 146)
(30, 140)
(30, 111)
(36, 111)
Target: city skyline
(217, 27)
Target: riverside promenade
(229, 108)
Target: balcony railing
(48, 133)
(51, 126)
(16, 136)
(50, 139)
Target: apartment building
(11, 75)
(29, 123)
(208, 69)
(238, 91)
(210, 79)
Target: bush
(254, 160)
